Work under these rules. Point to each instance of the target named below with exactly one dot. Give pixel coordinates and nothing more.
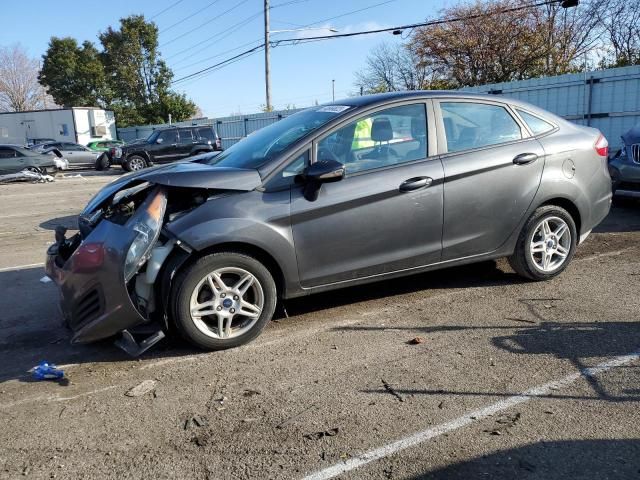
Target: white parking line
(21, 267)
(477, 415)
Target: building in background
(77, 124)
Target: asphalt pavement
(461, 373)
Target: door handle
(415, 183)
(525, 158)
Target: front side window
(288, 174)
(72, 147)
(469, 125)
(536, 124)
(6, 152)
(167, 136)
(388, 137)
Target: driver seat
(382, 131)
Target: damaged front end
(108, 273)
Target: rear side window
(471, 125)
(186, 136)
(207, 134)
(536, 124)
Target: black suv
(166, 145)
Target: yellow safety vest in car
(362, 135)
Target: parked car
(166, 145)
(77, 155)
(37, 141)
(14, 159)
(356, 191)
(624, 166)
(104, 145)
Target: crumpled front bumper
(93, 295)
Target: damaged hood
(183, 174)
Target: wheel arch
(569, 206)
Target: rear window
(536, 124)
(207, 134)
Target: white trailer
(77, 124)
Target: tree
(127, 76)
(489, 41)
(390, 68)
(73, 74)
(620, 19)
(19, 87)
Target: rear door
(492, 170)
(386, 214)
(186, 142)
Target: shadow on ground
(585, 344)
(70, 222)
(571, 459)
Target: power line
(189, 16)
(217, 55)
(345, 14)
(205, 23)
(209, 40)
(224, 62)
(294, 41)
(241, 23)
(168, 8)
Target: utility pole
(333, 89)
(267, 66)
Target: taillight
(602, 146)
(218, 143)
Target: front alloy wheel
(227, 302)
(223, 300)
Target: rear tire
(134, 163)
(546, 244)
(213, 287)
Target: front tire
(546, 244)
(223, 300)
(134, 163)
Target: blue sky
(300, 74)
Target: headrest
(381, 130)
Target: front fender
(256, 219)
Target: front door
(492, 172)
(385, 215)
(164, 149)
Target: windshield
(265, 144)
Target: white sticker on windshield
(333, 109)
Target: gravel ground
(336, 388)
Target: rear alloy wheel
(224, 300)
(134, 163)
(546, 245)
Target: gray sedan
(76, 154)
(14, 159)
(356, 191)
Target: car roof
(382, 98)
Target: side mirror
(324, 171)
(160, 140)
